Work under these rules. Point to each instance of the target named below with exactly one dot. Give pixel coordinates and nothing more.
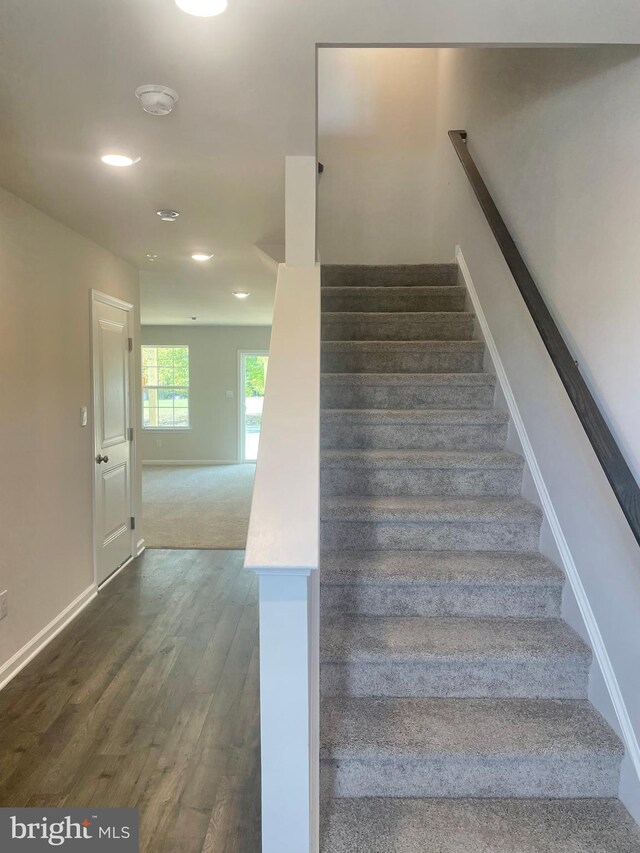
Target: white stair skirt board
(21, 658)
(595, 637)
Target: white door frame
(241, 429)
(97, 296)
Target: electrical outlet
(158, 442)
(4, 604)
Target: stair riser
(453, 679)
(397, 327)
(428, 361)
(435, 536)
(393, 299)
(467, 776)
(441, 600)
(406, 397)
(422, 275)
(421, 481)
(412, 436)
(460, 825)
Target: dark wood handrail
(609, 454)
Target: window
(165, 387)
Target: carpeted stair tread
(397, 299)
(466, 748)
(390, 825)
(396, 275)
(414, 429)
(452, 657)
(411, 509)
(407, 391)
(468, 568)
(421, 472)
(432, 639)
(402, 356)
(392, 459)
(402, 346)
(422, 417)
(440, 583)
(409, 379)
(397, 325)
(388, 728)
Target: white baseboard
(12, 667)
(193, 462)
(571, 570)
(121, 568)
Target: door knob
(100, 458)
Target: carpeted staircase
(454, 712)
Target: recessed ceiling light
(168, 215)
(119, 160)
(151, 256)
(200, 256)
(240, 294)
(202, 8)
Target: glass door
(253, 374)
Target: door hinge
(130, 433)
(133, 523)
(130, 344)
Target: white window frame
(172, 428)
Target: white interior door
(112, 422)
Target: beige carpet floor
(196, 506)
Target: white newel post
(283, 540)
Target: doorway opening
(252, 377)
(202, 390)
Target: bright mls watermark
(79, 830)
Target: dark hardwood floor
(149, 699)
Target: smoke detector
(157, 100)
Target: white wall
(377, 141)
(46, 273)
(213, 354)
(429, 22)
(555, 135)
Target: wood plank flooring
(149, 699)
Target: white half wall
(283, 548)
(284, 523)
